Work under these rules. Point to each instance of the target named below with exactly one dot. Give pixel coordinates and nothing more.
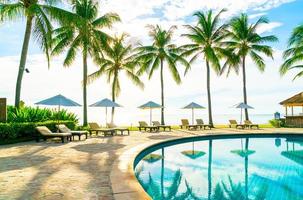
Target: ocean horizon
(130, 117)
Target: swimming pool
(227, 167)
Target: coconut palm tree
(117, 57)
(207, 37)
(294, 54)
(246, 42)
(155, 55)
(37, 23)
(83, 34)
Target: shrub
(277, 123)
(20, 131)
(30, 114)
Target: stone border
(125, 185)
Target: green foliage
(277, 123)
(118, 57)
(19, 131)
(161, 50)
(294, 54)
(244, 41)
(30, 114)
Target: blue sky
(265, 90)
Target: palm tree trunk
(84, 86)
(23, 57)
(210, 117)
(162, 94)
(113, 97)
(244, 87)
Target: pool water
(251, 168)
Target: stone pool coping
(124, 182)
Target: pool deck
(97, 168)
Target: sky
(265, 90)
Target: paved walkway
(81, 169)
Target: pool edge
(123, 175)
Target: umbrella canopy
(193, 106)
(58, 100)
(150, 105)
(106, 103)
(242, 106)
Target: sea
(130, 117)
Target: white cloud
(268, 27)
(253, 16)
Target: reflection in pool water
(230, 168)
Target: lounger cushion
(43, 130)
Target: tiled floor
(98, 168)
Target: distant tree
(246, 42)
(155, 55)
(117, 57)
(81, 30)
(207, 41)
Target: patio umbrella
(58, 100)
(192, 153)
(242, 106)
(193, 106)
(106, 103)
(150, 105)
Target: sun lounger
(144, 126)
(63, 129)
(45, 133)
(201, 124)
(234, 123)
(250, 125)
(164, 127)
(185, 124)
(118, 129)
(94, 127)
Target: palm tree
(245, 41)
(207, 37)
(37, 22)
(83, 33)
(294, 55)
(161, 50)
(117, 57)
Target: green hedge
(14, 132)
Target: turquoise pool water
(229, 168)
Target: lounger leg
(62, 139)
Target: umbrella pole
(192, 116)
(241, 117)
(58, 120)
(150, 116)
(106, 116)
